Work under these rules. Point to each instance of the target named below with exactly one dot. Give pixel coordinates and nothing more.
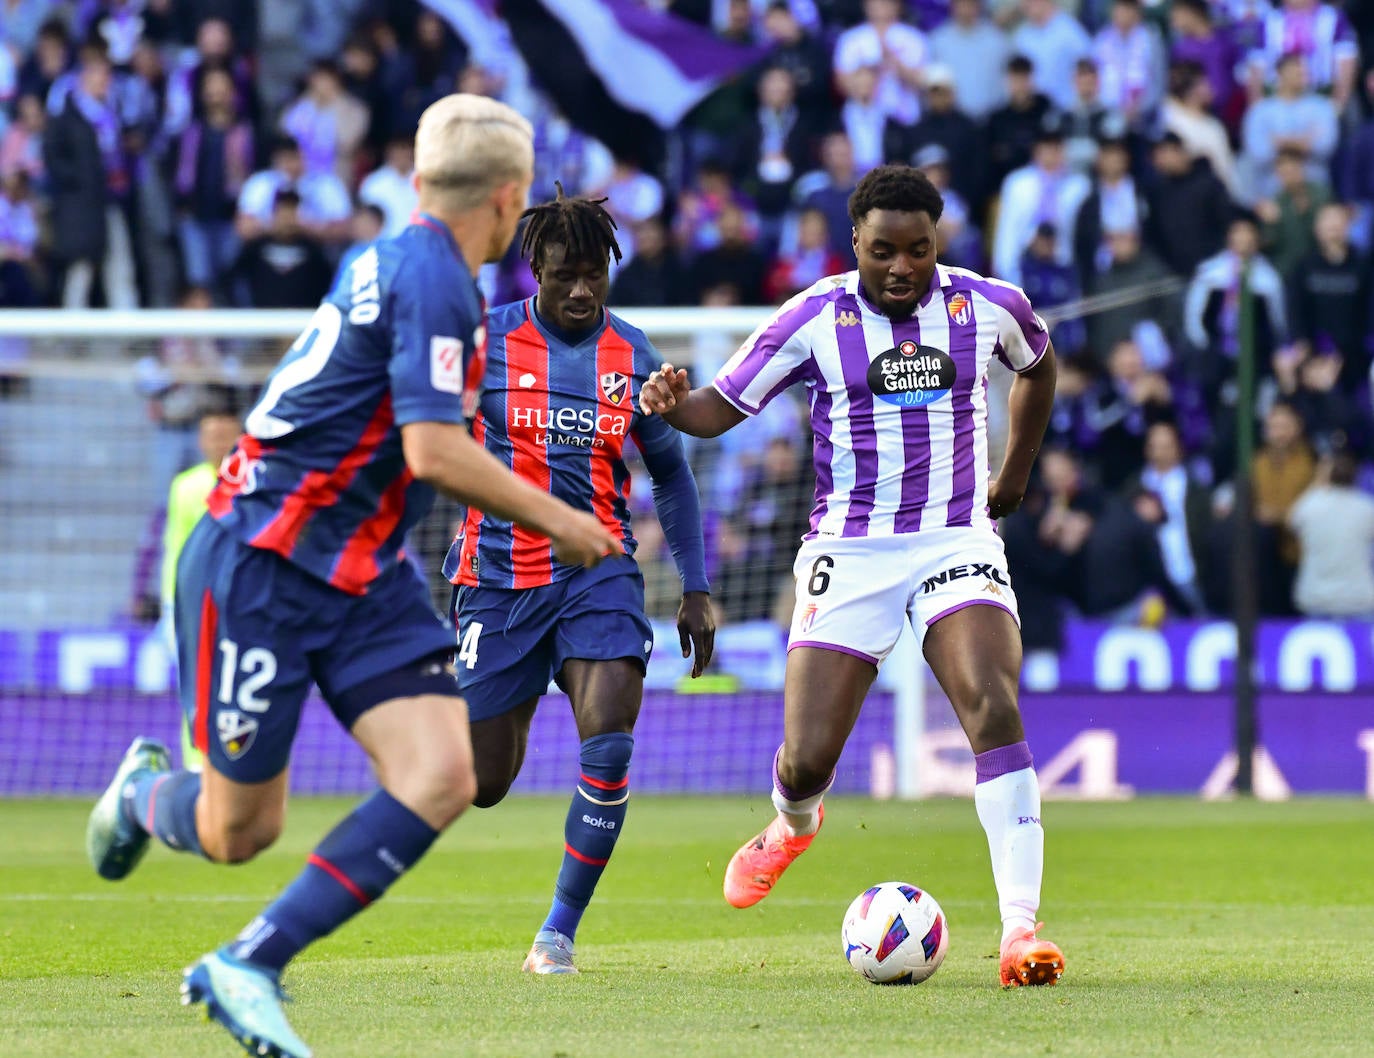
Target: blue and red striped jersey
(319, 476)
(558, 416)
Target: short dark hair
(287, 197)
(580, 224)
(1020, 64)
(896, 187)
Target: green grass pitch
(1227, 930)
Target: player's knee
(991, 718)
(440, 784)
(239, 841)
(490, 792)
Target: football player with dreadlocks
(558, 404)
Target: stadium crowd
(1144, 155)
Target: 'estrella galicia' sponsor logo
(236, 733)
(985, 570)
(911, 375)
(599, 823)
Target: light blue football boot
(114, 842)
(247, 1001)
(552, 953)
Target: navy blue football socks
(164, 804)
(353, 866)
(595, 819)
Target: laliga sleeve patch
(446, 364)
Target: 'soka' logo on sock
(599, 823)
(1023, 820)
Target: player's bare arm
(1029, 408)
(699, 412)
(446, 456)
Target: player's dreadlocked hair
(580, 224)
(896, 187)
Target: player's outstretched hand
(664, 388)
(584, 541)
(1003, 498)
(696, 627)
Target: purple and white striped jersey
(898, 407)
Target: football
(895, 934)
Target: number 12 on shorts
(258, 667)
(467, 644)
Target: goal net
(99, 411)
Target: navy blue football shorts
(254, 631)
(512, 642)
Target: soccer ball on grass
(895, 934)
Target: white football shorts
(853, 593)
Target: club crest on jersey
(912, 375)
(236, 732)
(616, 387)
(960, 309)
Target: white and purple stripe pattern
(1322, 35)
(884, 468)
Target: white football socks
(802, 816)
(1009, 809)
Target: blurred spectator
(755, 544)
(390, 188)
(328, 123)
(50, 59)
(1053, 40)
(775, 147)
(944, 124)
(733, 262)
(285, 267)
(873, 134)
(325, 207)
(18, 239)
(1187, 112)
(1088, 121)
(1186, 527)
(1189, 208)
(21, 148)
(1333, 522)
(1213, 303)
(215, 49)
(89, 175)
(654, 275)
(1144, 311)
(1050, 283)
(184, 377)
(214, 160)
(828, 190)
(1123, 576)
(1044, 192)
(1332, 419)
(361, 69)
(1287, 235)
(1321, 35)
(701, 207)
(22, 20)
(1070, 424)
(895, 49)
(1012, 128)
(633, 195)
(120, 27)
(812, 260)
(565, 153)
(970, 45)
(802, 55)
(1330, 296)
(1130, 62)
(1195, 38)
(434, 60)
(1114, 203)
(366, 228)
(662, 585)
(1293, 117)
(1124, 404)
(1283, 468)
(1042, 542)
(960, 241)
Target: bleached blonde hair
(468, 145)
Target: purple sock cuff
(788, 792)
(1002, 760)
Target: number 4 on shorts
(467, 644)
